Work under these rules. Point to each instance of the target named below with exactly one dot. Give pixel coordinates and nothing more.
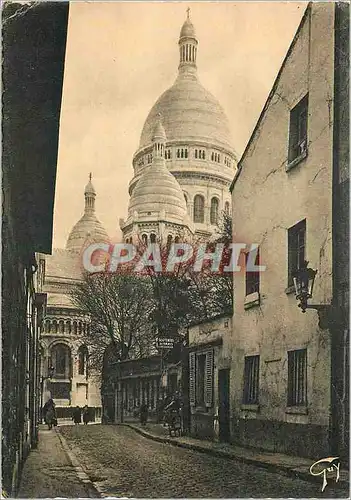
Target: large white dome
(189, 113)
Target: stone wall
(270, 196)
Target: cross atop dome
(187, 44)
(89, 194)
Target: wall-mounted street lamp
(303, 283)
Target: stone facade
(63, 347)
(285, 406)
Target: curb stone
(93, 489)
(296, 473)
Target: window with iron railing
(297, 377)
(251, 379)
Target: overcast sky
(121, 56)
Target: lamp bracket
(328, 315)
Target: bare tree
(120, 306)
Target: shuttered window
(209, 379)
(192, 379)
(201, 378)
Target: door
(223, 405)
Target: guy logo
(325, 465)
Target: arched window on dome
(169, 240)
(68, 326)
(199, 208)
(47, 326)
(226, 207)
(219, 158)
(152, 238)
(176, 239)
(144, 238)
(203, 155)
(54, 326)
(80, 328)
(61, 326)
(182, 153)
(195, 153)
(178, 153)
(75, 329)
(212, 156)
(185, 153)
(214, 211)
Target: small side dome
(159, 131)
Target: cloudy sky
(122, 55)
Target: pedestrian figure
(143, 413)
(159, 410)
(49, 413)
(77, 415)
(173, 413)
(86, 415)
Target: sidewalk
(275, 462)
(49, 472)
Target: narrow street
(125, 464)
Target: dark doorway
(224, 407)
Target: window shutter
(192, 379)
(209, 379)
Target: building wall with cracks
(270, 194)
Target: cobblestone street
(123, 463)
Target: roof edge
(271, 93)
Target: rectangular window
(298, 129)
(296, 249)
(297, 377)
(201, 378)
(252, 278)
(251, 379)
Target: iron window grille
(251, 379)
(297, 377)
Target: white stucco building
(62, 341)
(197, 151)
